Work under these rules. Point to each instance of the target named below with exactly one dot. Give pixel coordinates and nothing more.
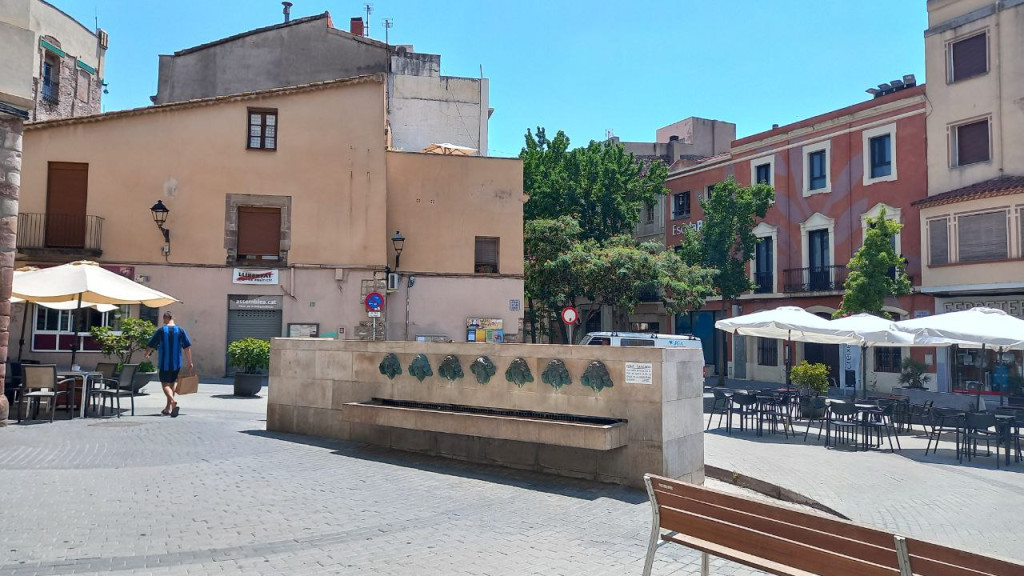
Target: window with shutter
(486, 255)
(767, 352)
(968, 57)
(982, 237)
(888, 359)
(971, 143)
(259, 233)
(938, 242)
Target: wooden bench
(788, 542)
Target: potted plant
(145, 374)
(812, 380)
(250, 357)
(913, 374)
(132, 336)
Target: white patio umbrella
(84, 282)
(987, 327)
(787, 323)
(872, 331)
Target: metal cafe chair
(113, 389)
(722, 405)
(39, 382)
(944, 420)
(979, 426)
(842, 422)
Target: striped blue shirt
(169, 341)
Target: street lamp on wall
(398, 242)
(160, 213)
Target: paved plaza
(212, 492)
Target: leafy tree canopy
(600, 185)
(726, 242)
(876, 271)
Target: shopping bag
(188, 384)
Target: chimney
(775, 126)
(356, 26)
(287, 11)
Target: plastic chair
(744, 405)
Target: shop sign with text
(677, 229)
(249, 276)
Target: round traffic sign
(374, 301)
(570, 315)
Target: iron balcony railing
(70, 232)
(815, 279)
(764, 283)
(51, 91)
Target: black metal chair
(39, 382)
(882, 421)
(744, 405)
(113, 389)
(979, 426)
(816, 410)
(842, 422)
(721, 405)
(1014, 431)
(921, 413)
(772, 410)
(944, 420)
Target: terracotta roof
(199, 102)
(995, 187)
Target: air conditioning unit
(393, 282)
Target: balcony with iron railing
(764, 283)
(816, 279)
(51, 90)
(46, 234)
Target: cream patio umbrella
(787, 323)
(70, 304)
(449, 149)
(980, 326)
(84, 282)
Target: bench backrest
(805, 541)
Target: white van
(641, 339)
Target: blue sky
(582, 67)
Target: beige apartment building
(282, 206)
(972, 222)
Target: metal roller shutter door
(251, 323)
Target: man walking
(170, 340)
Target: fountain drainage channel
(589, 432)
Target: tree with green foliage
(726, 241)
(131, 336)
(876, 271)
(618, 273)
(583, 205)
(600, 185)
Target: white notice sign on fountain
(639, 373)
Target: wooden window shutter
(486, 255)
(982, 236)
(259, 232)
(972, 143)
(938, 242)
(969, 57)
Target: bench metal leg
(705, 564)
(903, 555)
(652, 546)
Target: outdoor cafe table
(83, 376)
(864, 411)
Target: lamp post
(398, 242)
(160, 213)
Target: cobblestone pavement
(211, 492)
(969, 505)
